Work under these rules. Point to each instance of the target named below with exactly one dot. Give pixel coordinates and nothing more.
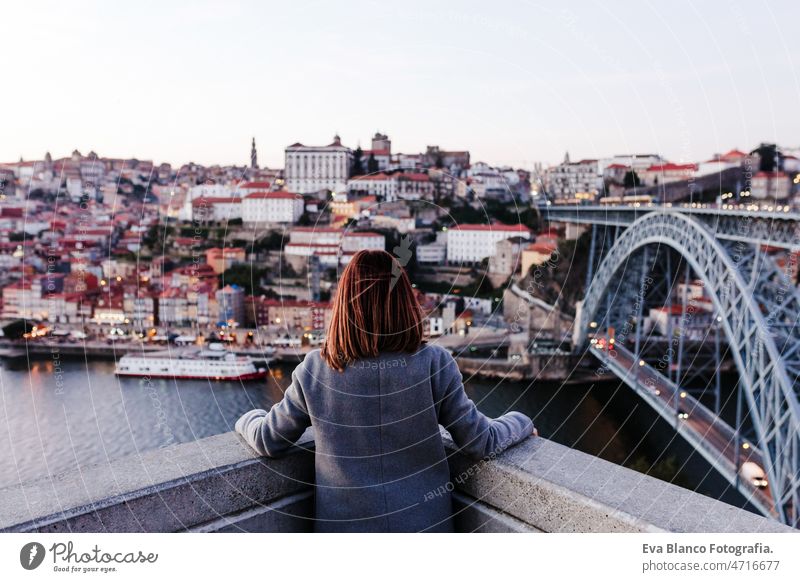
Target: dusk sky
(513, 82)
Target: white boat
(194, 364)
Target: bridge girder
(780, 229)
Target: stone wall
(218, 484)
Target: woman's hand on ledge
(535, 432)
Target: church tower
(253, 155)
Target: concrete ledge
(291, 514)
(473, 516)
(553, 488)
(218, 484)
(170, 489)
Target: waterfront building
(109, 310)
(290, 314)
(770, 186)
(230, 301)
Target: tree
(769, 157)
(246, 276)
(357, 168)
(631, 180)
(372, 164)
(270, 242)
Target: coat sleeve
(476, 435)
(272, 433)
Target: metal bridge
(638, 258)
(776, 228)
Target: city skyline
(458, 79)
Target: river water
(54, 418)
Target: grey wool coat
(380, 461)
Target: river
(55, 417)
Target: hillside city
(118, 250)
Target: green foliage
(157, 237)
(273, 241)
(372, 164)
(492, 211)
(357, 168)
(195, 231)
(631, 180)
(246, 276)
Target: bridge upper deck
(778, 228)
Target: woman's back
(380, 460)
(378, 442)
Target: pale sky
(513, 82)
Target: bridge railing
(219, 484)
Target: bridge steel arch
(740, 296)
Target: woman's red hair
(374, 311)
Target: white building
(391, 187)
(331, 245)
(352, 242)
(667, 173)
(431, 254)
(209, 191)
(246, 188)
(272, 207)
(718, 163)
(636, 162)
(381, 185)
(216, 209)
(482, 178)
(574, 180)
(471, 243)
(311, 169)
(381, 152)
(770, 186)
(315, 234)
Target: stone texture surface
(218, 484)
(291, 514)
(557, 489)
(472, 516)
(169, 489)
